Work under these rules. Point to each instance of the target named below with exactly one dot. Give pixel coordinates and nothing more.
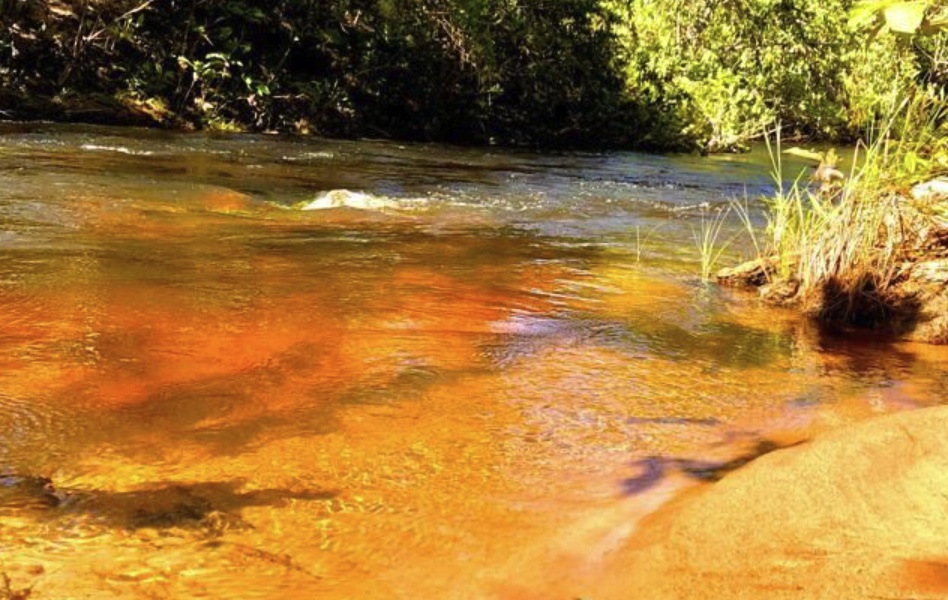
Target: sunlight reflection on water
(204, 393)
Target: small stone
(936, 188)
(753, 274)
(782, 292)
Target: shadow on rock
(653, 469)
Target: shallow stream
(476, 388)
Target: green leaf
(906, 17)
(910, 162)
(865, 12)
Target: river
(475, 389)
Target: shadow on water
(236, 414)
(212, 507)
(721, 343)
(288, 326)
(653, 469)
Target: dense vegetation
(866, 242)
(540, 71)
(706, 74)
(720, 72)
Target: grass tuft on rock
(842, 248)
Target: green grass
(640, 241)
(709, 242)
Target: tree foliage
(538, 71)
(705, 74)
(720, 71)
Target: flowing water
(471, 381)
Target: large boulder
(861, 512)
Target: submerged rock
(348, 199)
(858, 513)
(20, 491)
(761, 274)
(8, 592)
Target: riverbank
(864, 244)
(93, 109)
(908, 300)
(398, 70)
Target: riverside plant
(708, 239)
(841, 244)
(640, 241)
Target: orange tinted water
(207, 394)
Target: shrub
(719, 72)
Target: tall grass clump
(841, 243)
(709, 241)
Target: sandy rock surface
(861, 512)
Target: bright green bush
(719, 72)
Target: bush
(719, 72)
(538, 71)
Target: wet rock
(934, 189)
(782, 292)
(858, 513)
(349, 199)
(753, 273)
(761, 274)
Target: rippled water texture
(473, 389)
